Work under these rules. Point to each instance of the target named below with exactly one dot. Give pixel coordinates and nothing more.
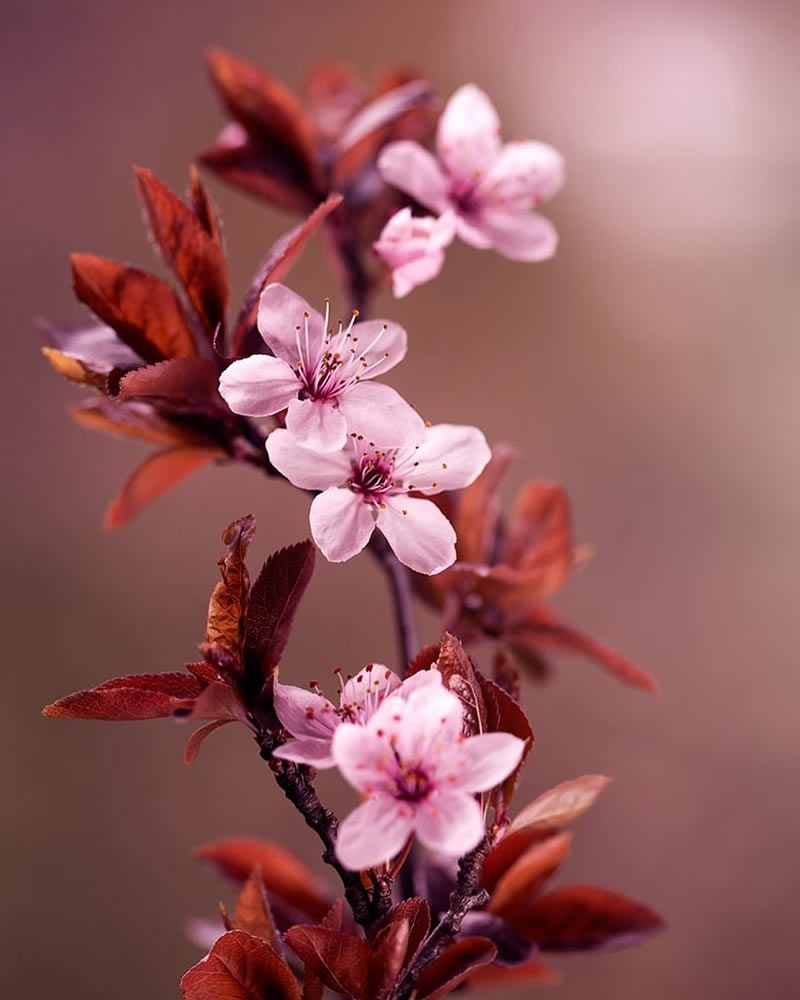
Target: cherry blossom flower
(320, 374)
(413, 247)
(489, 186)
(366, 487)
(312, 719)
(420, 775)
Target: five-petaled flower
(320, 375)
(312, 719)
(365, 486)
(420, 775)
(413, 248)
(489, 186)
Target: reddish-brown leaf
(266, 172)
(340, 960)
(204, 208)
(198, 738)
(458, 674)
(540, 534)
(274, 599)
(134, 420)
(418, 914)
(582, 917)
(424, 659)
(253, 913)
(181, 384)
(154, 477)
(544, 629)
(226, 609)
(522, 882)
(284, 875)
(532, 973)
(477, 509)
(551, 811)
(387, 958)
(453, 966)
(123, 699)
(276, 265)
(143, 309)
(240, 967)
(192, 253)
(504, 715)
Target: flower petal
(315, 753)
(523, 174)
(341, 523)
(528, 237)
(406, 277)
(368, 689)
(381, 415)
(360, 755)
(305, 714)
(258, 386)
(280, 312)
(452, 456)
(471, 231)
(420, 535)
(449, 821)
(374, 832)
(414, 170)
(317, 423)
(487, 760)
(383, 344)
(305, 467)
(468, 138)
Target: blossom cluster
(402, 746)
(357, 441)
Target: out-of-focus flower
(312, 719)
(413, 248)
(365, 487)
(420, 775)
(320, 375)
(490, 187)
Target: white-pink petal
(305, 467)
(381, 415)
(315, 753)
(526, 236)
(449, 821)
(318, 423)
(412, 169)
(420, 535)
(360, 754)
(487, 760)
(452, 456)
(381, 344)
(374, 832)
(523, 174)
(341, 523)
(258, 386)
(468, 137)
(304, 713)
(281, 313)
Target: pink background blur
(652, 367)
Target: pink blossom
(312, 719)
(489, 186)
(413, 247)
(320, 375)
(420, 775)
(365, 487)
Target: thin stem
(465, 897)
(400, 582)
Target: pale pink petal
(523, 174)
(305, 714)
(360, 755)
(414, 170)
(381, 414)
(421, 679)
(317, 423)
(406, 277)
(471, 231)
(528, 237)
(452, 456)
(281, 320)
(405, 238)
(382, 345)
(315, 753)
(305, 467)
(468, 138)
(258, 386)
(420, 535)
(341, 523)
(449, 821)
(431, 729)
(487, 760)
(369, 685)
(374, 832)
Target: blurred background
(651, 368)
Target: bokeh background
(652, 367)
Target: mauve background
(651, 367)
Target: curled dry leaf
(226, 609)
(240, 967)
